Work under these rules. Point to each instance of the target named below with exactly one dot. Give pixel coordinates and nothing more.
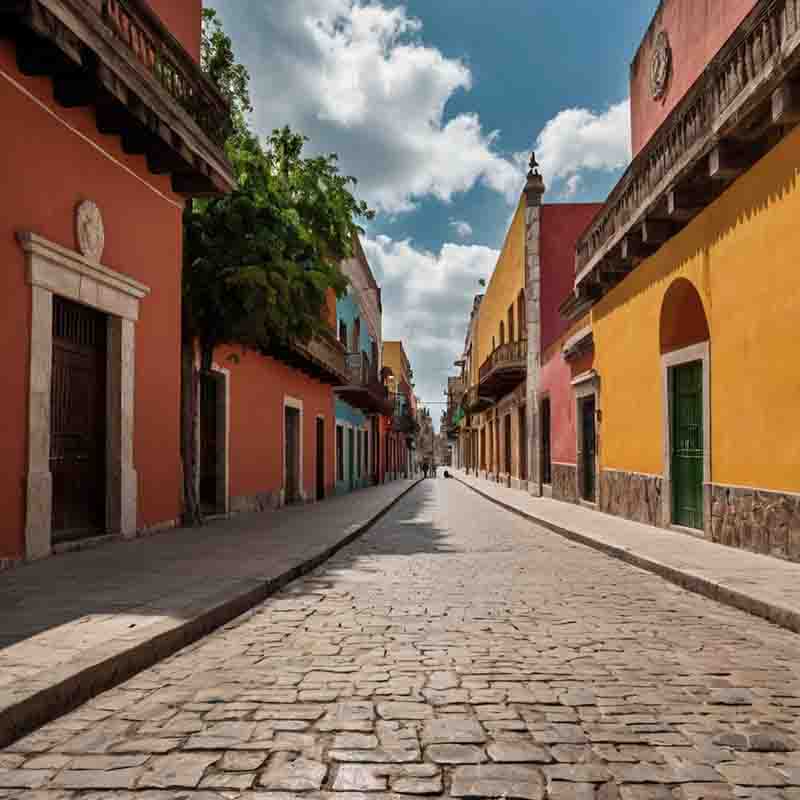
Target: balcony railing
(363, 389)
(402, 419)
(475, 401)
(505, 368)
(722, 125)
(117, 56)
(322, 357)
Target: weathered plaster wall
(507, 281)
(561, 225)
(50, 159)
(258, 388)
(751, 294)
(183, 18)
(697, 29)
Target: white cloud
(355, 77)
(462, 228)
(571, 186)
(578, 140)
(428, 297)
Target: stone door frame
(696, 352)
(587, 385)
(55, 270)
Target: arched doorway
(684, 339)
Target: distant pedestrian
(425, 469)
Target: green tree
(260, 262)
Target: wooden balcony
(505, 369)
(746, 100)
(118, 58)
(476, 401)
(402, 419)
(322, 357)
(363, 389)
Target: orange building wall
(183, 18)
(47, 170)
(258, 386)
(697, 29)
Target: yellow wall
(395, 358)
(506, 283)
(743, 256)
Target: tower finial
(534, 165)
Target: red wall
(561, 225)
(47, 170)
(555, 381)
(258, 386)
(183, 18)
(697, 29)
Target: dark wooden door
(351, 458)
(208, 442)
(547, 459)
(507, 443)
(320, 459)
(687, 445)
(77, 421)
(292, 439)
(523, 445)
(589, 448)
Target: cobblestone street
(454, 650)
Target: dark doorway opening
(523, 444)
(547, 458)
(209, 442)
(292, 440)
(320, 458)
(588, 448)
(78, 421)
(507, 443)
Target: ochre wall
(750, 289)
(183, 18)
(47, 170)
(258, 386)
(697, 29)
(561, 225)
(395, 358)
(507, 281)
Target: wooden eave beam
(726, 164)
(655, 232)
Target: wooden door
(687, 444)
(208, 442)
(351, 458)
(292, 455)
(589, 448)
(523, 445)
(507, 442)
(320, 459)
(78, 421)
(547, 459)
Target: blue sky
(434, 106)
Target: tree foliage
(260, 262)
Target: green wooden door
(687, 445)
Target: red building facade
(111, 126)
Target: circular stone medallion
(89, 230)
(660, 66)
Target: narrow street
(454, 650)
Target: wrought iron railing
(473, 401)
(696, 121)
(136, 27)
(511, 354)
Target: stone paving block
(97, 779)
(300, 775)
(512, 752)
(24, 778)
(176, 770)
(403, 710)
(452, 731)
(455, 754)
(513, 781)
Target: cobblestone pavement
(455, 650)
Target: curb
(76, 687)
(698, 584)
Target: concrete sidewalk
(73, 625)
(761, 585)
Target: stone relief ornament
(89, 230)
(660, 66)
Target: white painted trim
(55, 270)
(696, 352)
(20, 88)
(297, 405)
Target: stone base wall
(756, 520)
(263, 501)
(632, 495)
(565, 482)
